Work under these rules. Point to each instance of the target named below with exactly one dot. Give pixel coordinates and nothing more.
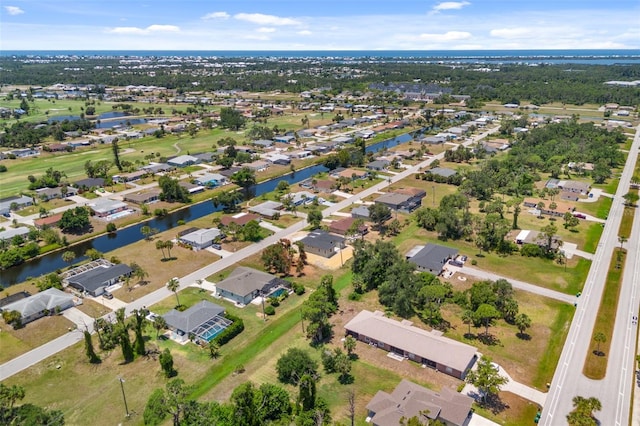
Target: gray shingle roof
(244, 281)
(322, 240)
(193, 317)
(96, 277)
(433, 257)
(48, 299)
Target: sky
(318, 24)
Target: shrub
(230, 332)
(274, 302)
(181, 222)
(269, 310)
(3, 168)
(111, 227)
(354, 296)
(298, 289)
(474, 262)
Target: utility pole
(121, 380)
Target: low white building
(201, 239)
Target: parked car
(579, 215)
(107, 295)
(216, 246)
(456, 263)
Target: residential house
(360, 212)
(574, 186)
(526, 236)
(13, 298)
(18, 202)
(402, 338)
(201, 239)
(378, 165)
(284, 138)
(323, 243)
(342, 140)
(25, 152)
(129, 177)
(403, 200)
(202, 321)
(47, 194)
(342, 226)
(245, 284)
(433, 140)
(268, 209)
(47, 222)
(88, 183)
(104, 207)
(431, 258)
(96, 279)
(183, 161)
(41, 304)
(144, 197)
(9, 233)
(192, 188)
(156, 168)
(352, 174)
(561, 206)
(258, 166)
(263, 143)
(409, 400)
(442, 171)
(211, 180)
(239, 219)
(302, 197)
(204, 157)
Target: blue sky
(318, 25)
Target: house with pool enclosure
(245, 284)
(203, 321)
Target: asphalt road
(614, 391)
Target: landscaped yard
(36, 333)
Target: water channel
(106, 243)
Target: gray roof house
(183, 161)
(245, 284)
(201, 239)
(410, 400)
(361, 212)
(378, 165)
(96, 280)
(267, 209)
(323, 243)
(431, 258)
(8, 234)
(204, 320)
(41, 304)
(429, 348)
(211, 179)
(20, 201)
(104, 207)
(442, 171)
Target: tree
(282, 186)
(228, 200)
(13, 318)
(350, 344)
(342, 365)
(231, 119)
(548, 232)
(570, 221)
(486, 379)
(631, 198)
(159, 323)
(146, 232)
(174, 285)
(307, 395)
(252, 231)
(168, 245)
(314, 218)
(161, 245)
(74, 220)
(68, 256)
(294, 364)
(622, 239)
(138, 272)
(93, 254)
(582, 414)
(245, 405)
(116, 154)
(88, 347)
(25, 414)
(139, 321)
(486, 314)
(522, 322)
(111, 227)
(214, 349)
(467, 318)
(599, 337)
(172, 190)
(278, 257)
(379, 214)
(244, 178)
(166, 363)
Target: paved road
(568, 381)
(521, 285)
(30, 358)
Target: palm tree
(159, 324)
(214, 349)
(168, 245)
(140, 274)
(160, 245)
(622, 239)
(599, 338)
(174, 285)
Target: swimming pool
(278, 292)
(119, 215)
(211, 328)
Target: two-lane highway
(614, 391)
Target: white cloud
(448, 36)
(13, 10)
(143, 31)
(510, 33)
(266, 30)
(260, 37)
(261, 19)
(216, 15)
(304, 33)
(450, 5)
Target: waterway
(105, 120)
(106, 243)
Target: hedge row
(230, 332)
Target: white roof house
(12, 232)
(202, 238)
(38, 305)
(183, 161)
